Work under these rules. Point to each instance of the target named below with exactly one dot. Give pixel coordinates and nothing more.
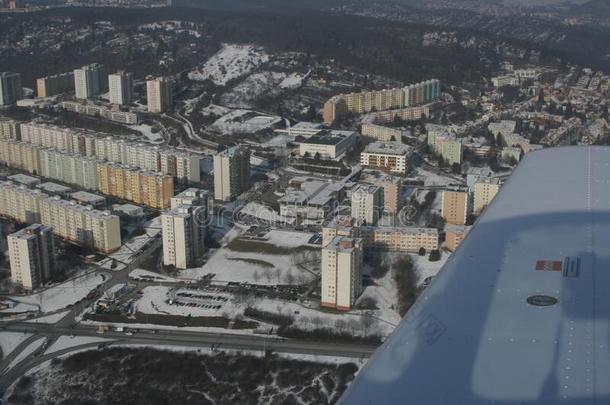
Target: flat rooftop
(24, 179)
(519, 313)
(86, 197)
(50, 187)
(326, 137)
(389, 148)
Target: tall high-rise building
(231, 173)
(51, 85)
(183, 235)
(184, 227)
(89, 80)
(159, 94)
(484, 191)
(10, 88)
(32, 256)
(121, 87)
(455, 207)
(367, 204)
(10, 129)
(341, 273)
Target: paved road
(69, 326)
(173, 337)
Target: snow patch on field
(147, 131)
(256, 85)
(50, 318)
(58, 296)
(31, 348)
(10, 340)
(293, 81)
(140, 274)
(231, 62)
(251, 267)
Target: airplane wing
(520, 313)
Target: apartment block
(10, 129)
(341, 273)
(87, 107)
(159, 94)
(98, 230)
(184, 228)
(342, 225)
(92, 228)
(32, 256)
(392, 157)
(484, 192)
(121, 87)
(383, 134)
(367, 204)
(20, 155)
(149, 188)
(89, 81)
(405, 114)
(454, 235)
(231, 173)
(399, 239)
(56, 84)
(391, 194)
(20, 203)
(10, 88)
(455, 207)
(381, 100)
(192, 197)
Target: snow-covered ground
(252, 267)
(229, 63)
(258, 84)
(126, 253)
(264, 213)
(154, 301)
(306, 316)
(293, 81)
(49, 318)
(147, 131)
(426, 268)
(64, 342)
(433, 179)
(10, 340)
(288, 238)
(58, 296)
(243, 121)
(27, 351)
(140, 274)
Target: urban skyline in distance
(304, 202)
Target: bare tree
(256, 276)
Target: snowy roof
(519, 313)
